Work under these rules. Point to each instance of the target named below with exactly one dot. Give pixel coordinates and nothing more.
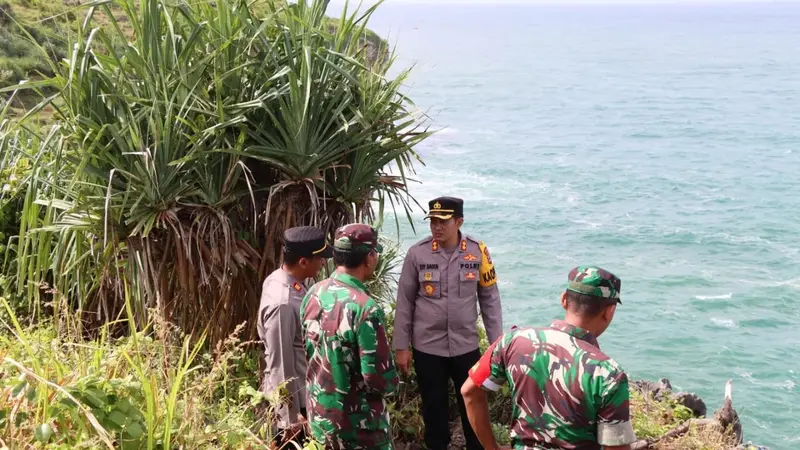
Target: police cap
(445, 208)
(306, 242)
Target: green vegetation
(181, 157)
(653, 418)
(139, 391)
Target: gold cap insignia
(437, 205)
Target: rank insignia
(435, 246)
(463, 245)
(429, 289)
(470, 257)
(297, 287)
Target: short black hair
(587, 305)
(349, 259)
(291, 258)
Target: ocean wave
(725, 323)
(715, 297)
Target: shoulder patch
(467, 237)
(297, 287)
(488, 274)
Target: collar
(576, 332)
(349, 280)
(461, 248)
(293, 282)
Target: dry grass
(653, 419)
(710, 437)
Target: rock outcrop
(725, 419)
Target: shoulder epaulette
(470, 238)
(423, 241)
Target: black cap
(445, 207)
(306, 242)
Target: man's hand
(403, 361)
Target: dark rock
(691, 401)
(727, 415)
(656, 390)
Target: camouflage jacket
(350, 365)
(566, 392)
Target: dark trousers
(433, 376)
(283, 438)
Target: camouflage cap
(594, 281)
(357, 237)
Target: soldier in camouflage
(350, 365)
(567, 393)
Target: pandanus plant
(190, 135)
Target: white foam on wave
(715, 297)
(793, 283)
(726, 323)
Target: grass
(152, 389)
(653, 419)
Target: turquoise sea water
(661, 142)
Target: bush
(150, 389)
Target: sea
(660, 141)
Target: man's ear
(564, 300)
(608, 312)
(459, 222)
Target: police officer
(304, 253)
(444, 278)
(567, 392)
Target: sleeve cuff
(400, 343)
(614, 434)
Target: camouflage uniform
(350, 365)
(567, 393)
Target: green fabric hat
(594, 281)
